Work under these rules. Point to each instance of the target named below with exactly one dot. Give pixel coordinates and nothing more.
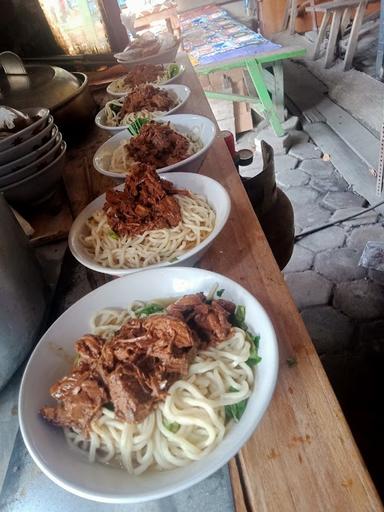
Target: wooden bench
(341, 12)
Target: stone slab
(305, 151)
(340, 265)
(308, 288)
(311, 215)
(361, 300)
(337, 200)
(301, 260)
(317, 168)
(330, 330)
(302, 195)
(366, 218)
(348, 164)
(292, 178)
(285, 163)
(333, 183)
(298, 137)
(360, 236)
(329, 238)
(280, 145)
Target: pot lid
(34, 85)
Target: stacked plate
(32, 160)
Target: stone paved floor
(340, 302)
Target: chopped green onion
(113, 235)
(254, 358)
(171, 426)
(219, 293)
(135, 127)
(149, 309)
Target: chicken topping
(146, 203)
(147, 97)
(159, 145)
(134, 369)
(143, 73)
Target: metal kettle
(23, 295)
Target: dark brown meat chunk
(146, 97)
(159, 145)
(143, 73)
(81, 396)
(132, 400)
(144, 205)
(182, 307)
(212, 322)
(209, 320)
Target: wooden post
(335, 27)
(353, 38)
(278, 91)
(293, 14)
(321, 35)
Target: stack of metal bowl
(32, 160)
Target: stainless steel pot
(23, 295)
(66, 94)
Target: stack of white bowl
(32, 160)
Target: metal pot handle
(12, 64)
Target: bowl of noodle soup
(204, 216)
(103, 311)
(170, 73)
(107, 119)
(111, 158)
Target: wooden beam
(335, 27)
(352, 43)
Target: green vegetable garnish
(173, 70)
(235, 411)
(219, 293)
(172, 260)
(115, 108)
(238, 319)
(253, 357)
(135, 127)
(113, 235)
(171, 426)
(291, 361)
(149, 309)
(109, 406)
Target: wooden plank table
(302, 456)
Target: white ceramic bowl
(38, 187)
(111, 87)
(178, 92)
(27, 159)
(167, 55)
(50, 361)
(184, 123)
(35, 166)
(17, 138)
(215, 194)
(29, 145)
